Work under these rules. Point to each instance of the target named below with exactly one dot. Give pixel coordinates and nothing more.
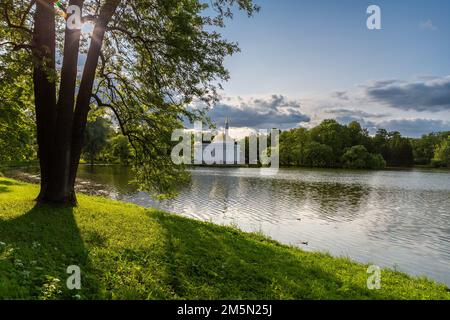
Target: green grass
(129, 252)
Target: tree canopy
(442, 153)
(331, 145)
(145, 61)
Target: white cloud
(275, 111)
(428, 25)
(412, 107)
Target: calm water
(396, 219)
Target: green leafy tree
(359, 136)
(334, 135)
(376, 161)
(357, 157)
(380, 142)
(442, 155)
(395, 149)
(424, 149)
(17, 139)
(319, 155)
(292, 147)
(146, 61)
(287, 146)
(97, 134)
(400, 150)
(120, 150)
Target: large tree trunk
(61, 188)
(54, 119)
(44, 89)
(60, 128)
(87, 82)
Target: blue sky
(307, 60)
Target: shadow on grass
(37, 247)
(4, 185)
(8, 183)
(206, 262)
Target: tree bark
(60, 190)
(87, 82)
(60, 128)
(44, 88)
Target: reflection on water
(395, 219)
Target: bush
(442, 154)
(377, 161)
(436, 163)
(357, 157)
(319, 155)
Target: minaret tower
(227, 127)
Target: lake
(395, 219)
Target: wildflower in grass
(18, 263)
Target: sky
(303, 61)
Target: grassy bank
(128, 252)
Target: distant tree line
(333, 145)
(328, 145)
(432, 149)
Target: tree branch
(27, 11)
(16, 46)
(13, 26)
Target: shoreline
(107, 229)
(426, 167)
